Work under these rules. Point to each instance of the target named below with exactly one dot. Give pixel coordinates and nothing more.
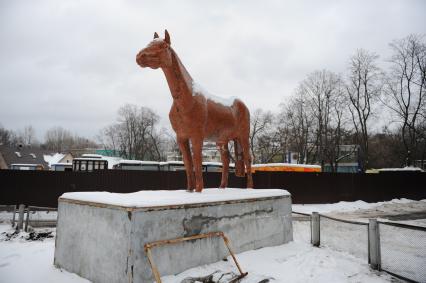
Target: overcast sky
(72, 63)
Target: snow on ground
(297, 261)
(345, 206)
(24, 261)
(397, 210)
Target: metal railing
(398, 249)
(39, 216)
(22, 217)
(345, 235)
(405, 255)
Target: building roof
(24, 155)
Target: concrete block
(101, 236)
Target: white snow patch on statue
(199, 90)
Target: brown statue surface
(195, 115)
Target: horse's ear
(167, 36)
(156, 35)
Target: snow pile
(166, 198)
(344, 206)
(293, 262)
(406, 168)
(53, 159)
(199, 90)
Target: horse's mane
(186, 76)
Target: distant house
(32, 158)
(60, 161)
(68, 157)
(22, 156)
(58, 158)
(348, 159)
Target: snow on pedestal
(101, 235)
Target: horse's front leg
(247, 160)
(187, 161)
(197, 159)
(224, 156)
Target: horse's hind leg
(239, 159)
(247, 160)
(197, 158)
(224, 156)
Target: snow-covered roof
(90, 155)
(52, 159)
(25, 164)
(181, 163)
(112, 160)
(212, 163)
(143, 199)
(401, 169)
(139, 162)
(285, 165)
(88, 158)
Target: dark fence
(42, 188)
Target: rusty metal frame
(151, 245)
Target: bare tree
(109, 139)
(58, 139)
(271, 145)
(260, 123)
(363, 90)
(321, 89)
(337, 133)
(298, 122)
(406, 90)
(422, 143)
(5, 136)
(27, 136)
(135, 135)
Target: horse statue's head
(157, 54)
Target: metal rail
(344, 220)
(151, 245)
(398, 276)
(33, 209)
(407, 226)
(301, 213)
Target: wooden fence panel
(42, 188)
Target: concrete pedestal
(101, 236)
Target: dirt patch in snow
(392, 211)
(31, 236)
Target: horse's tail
(239, 161)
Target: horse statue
(196, 115)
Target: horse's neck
(180, 82)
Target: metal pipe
(149, 246)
